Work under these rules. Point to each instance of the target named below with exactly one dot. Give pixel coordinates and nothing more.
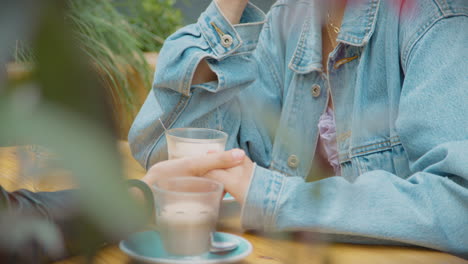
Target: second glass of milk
(186, 213)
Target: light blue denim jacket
(399, 83)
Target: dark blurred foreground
(62, 107)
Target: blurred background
(122, 39)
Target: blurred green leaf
(88, 153)
(63, 107)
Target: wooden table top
(284, 248)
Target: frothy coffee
(186, 227)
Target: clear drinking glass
(190, 142)
(186, 213)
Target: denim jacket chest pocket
(387, 155)
(369, 140)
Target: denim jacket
(398, 79)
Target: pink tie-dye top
(327, 139)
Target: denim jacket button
(226, 40)
(316, 90)
(293, 161)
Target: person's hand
(232, 9)
(197, 166)
(236, 179)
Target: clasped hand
(232, 168)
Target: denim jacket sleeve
(209, 103)
(430, 208)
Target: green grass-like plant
(110, 41)
(159, 18)
(114, 35)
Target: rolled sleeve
(260, 205)
(244, 36)
(173, 99)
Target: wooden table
(268, 249)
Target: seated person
(377, 89)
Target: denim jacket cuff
(225, 38)
(260, 205)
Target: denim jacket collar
(356, 29)
(359, 22)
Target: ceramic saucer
(147, 247)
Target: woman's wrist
(232, 9)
